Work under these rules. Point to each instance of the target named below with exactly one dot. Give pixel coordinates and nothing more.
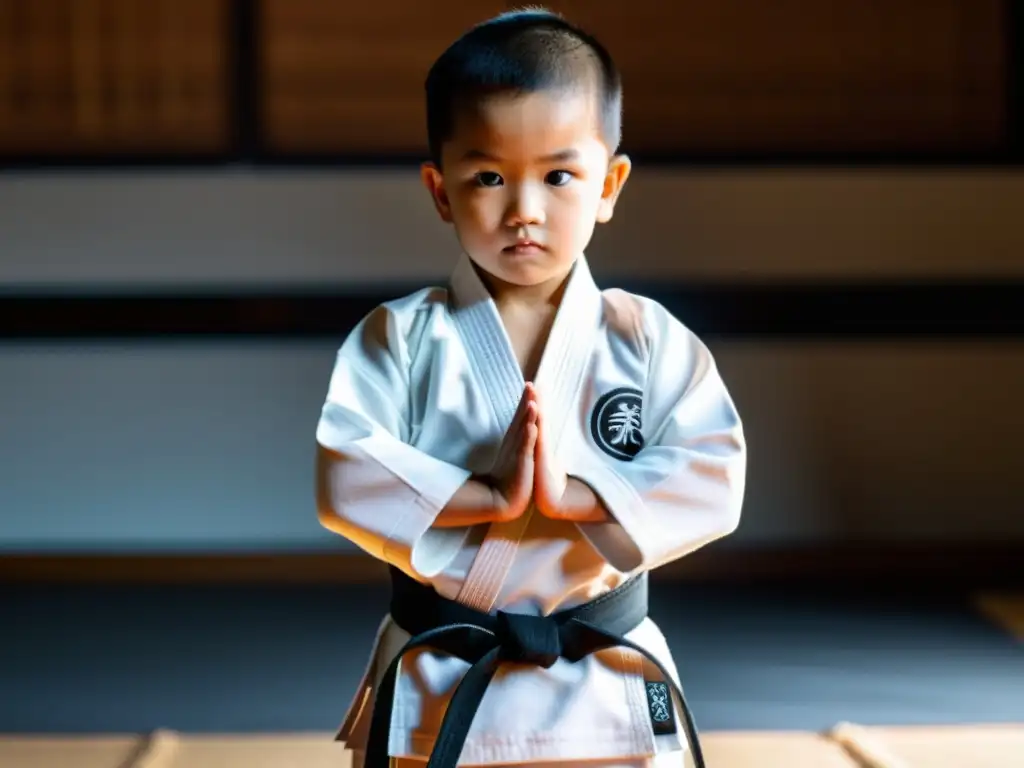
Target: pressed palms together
(541, 476)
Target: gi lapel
(487, 344)
(559, 376)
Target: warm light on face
(525, 179)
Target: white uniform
(421, 396)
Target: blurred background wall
(199, 197)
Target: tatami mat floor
(770, 673)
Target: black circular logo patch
(616, 425)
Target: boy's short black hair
(521, 51)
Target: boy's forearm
(581, 505)
(477, 502)
(474, 503)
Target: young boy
(520, 446)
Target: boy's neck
(545, 295)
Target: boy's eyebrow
(476, 154)
(563, 155)
(560, 156)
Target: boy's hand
(512, 496)
(555, 494)
(550, 480)
(483, 500)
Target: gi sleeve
(684, 488)
(372, 486)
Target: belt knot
(529, 639)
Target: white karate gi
(421, 396)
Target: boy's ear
(614, 181)
(433, 180)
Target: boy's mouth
(524, 245)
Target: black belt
(484, 641)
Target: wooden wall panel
(732, 76)
(101, 77)
(113, 76)
(794, 75)
(348, 77)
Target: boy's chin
(525, 275)
(523, 270)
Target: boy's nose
(526, 209)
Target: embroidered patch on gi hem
(659, 705)
(616, 423)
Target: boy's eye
(559, 178)
(488, 179)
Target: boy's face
(525, 179)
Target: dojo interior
(199, 198)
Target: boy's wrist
(581, 504)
